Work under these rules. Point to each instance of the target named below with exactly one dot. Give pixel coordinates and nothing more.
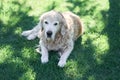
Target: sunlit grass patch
(99, 43)
(101, 47)
(28, 75)
(71, 70)
(91, 78)
(93, 58)
(40, 8)
(5, 53)
(5, 13)
(18, 30)
(76, 69)
(29, 53)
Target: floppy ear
(41, 22)
(63, 24)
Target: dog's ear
(63, 24)
(41, 22)
(40, 27)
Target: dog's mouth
(50, 38)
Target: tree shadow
(113, 26)
(11, 69)
(112, 29)
(83, 55)
(109, 68)
(80, 7)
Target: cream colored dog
(57, 31)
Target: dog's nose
(49, 33)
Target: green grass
(96, 55)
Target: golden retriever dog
(57, 31)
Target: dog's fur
(65, 27)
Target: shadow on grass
(113, 27)
(112, 59)
(87, 66)
(80, 7)
(11, 69)
(14, 67)
(109, 69)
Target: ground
(96, 54)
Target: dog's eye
(56, 24)
(46, 22)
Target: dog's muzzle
(49, 34)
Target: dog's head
(52, 22)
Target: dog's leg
(32, 36)
(44, 53)
(33, 33)
(26, 33)
(65, 54)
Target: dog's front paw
(31, 37)
(26, 33)
(61, 63)
(44, 59)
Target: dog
(57, 31)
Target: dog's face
(51, 27)
(51, 23)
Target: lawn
(96, 54)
